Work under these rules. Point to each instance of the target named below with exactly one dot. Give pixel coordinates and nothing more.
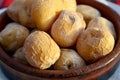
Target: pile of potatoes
(57, 33)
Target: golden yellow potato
(69, 59)
(88, 12)
(19, 56)
(12, 36)
(45, 12)
(41, 51)
(67, 28)
(95, 43)
(19, 12)
(103, 23)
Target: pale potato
(103, 23)
(69, 59)
(19, 12)
(95, 43)
(45, 12)
(19, 56)
(12, 36)
(88, 12)
(67, 28)
(41, 51)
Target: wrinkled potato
(12, 36)
(19, 56)
(67, 28)
(88, 12)
(69, 59)
(40, 50)
(44, 12)
(28, 4)
(95, 43)
(104, 23)
(19, 12)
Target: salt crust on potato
(41, 51)
(67, 28)
(95, 42)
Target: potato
(19, 12)
(88, 12)
(45, 12)
(28, 4)
(69, 59)
(19, 56)
(67, 28)
(12, 36)
(41, 51)
(104, 23)
(95, 43)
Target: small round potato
(19, 12)
(41, 51)
(12, 36)
(69, 59)
(88, 12)
(103, 23)
(20, 56)
(45, 12)
(67, 28)
(95, 43)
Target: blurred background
(5, 3)
(115, 1)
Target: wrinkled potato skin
(19, 56)
(69, 59)
(19, 12)
(95, 43)
(103, 23)
(67, 28)
(45, 12)
(12, 36)
(40, 50)
(88, 12)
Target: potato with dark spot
(103, 23)
(19, 11)
(69, 59)
(67, 28)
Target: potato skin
(12, 36)
(88, 12)
(69, 59)
(19, 56)
(67, 28)
(19, 12)
(103, 23)
(40, 50)
(45, 12)
(95, 43)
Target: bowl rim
(111, 58)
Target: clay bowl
(99, 70)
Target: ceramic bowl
(100, 70)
